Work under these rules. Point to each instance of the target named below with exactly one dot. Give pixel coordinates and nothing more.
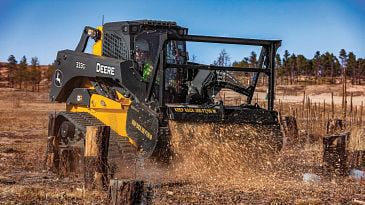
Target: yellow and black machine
(138, 78)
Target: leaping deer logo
(58, 78)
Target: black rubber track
(121, 152)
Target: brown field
(23, 133)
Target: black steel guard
(212, 67)
(266, 58)
(224, 40)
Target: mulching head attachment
(204, 138)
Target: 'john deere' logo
(58, 78)
(105, 69)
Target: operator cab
(140, 41)
(184, 82)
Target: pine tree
(361, 68)
(286, 66)
(317, 65)
(335, 67)
(278, 65)
(35, 74)
(253, 60)
(21, 74)
(302, 65)
(352, 67)
(343, 57)
(292, 67)
(35, 62)
(243, 63)
(12, 69)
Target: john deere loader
(138, 81)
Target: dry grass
(22, 147)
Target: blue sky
(41, 28)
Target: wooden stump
(49, 157)
(129, 192)
(95, 157)
(335, 126)
(335, 155)
(291, 131)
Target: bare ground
(295, 93)
(23, 180)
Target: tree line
(21, 75)
(322, 65)
(289, 65)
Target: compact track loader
(138, 81)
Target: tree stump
(129, 192)
(291, 131)
(335, 126)
(49, 162)
(95, 157)
(335, 155)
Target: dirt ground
(23, 136)
(320, 93)
(23, 133)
